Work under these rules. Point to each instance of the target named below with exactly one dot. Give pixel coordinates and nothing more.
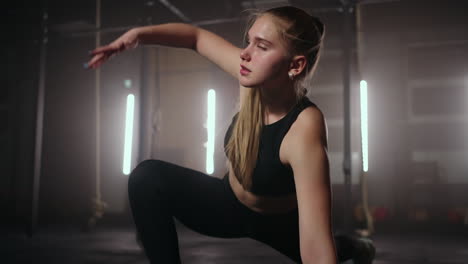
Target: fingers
(101, 54)
(102, 49)
(96, 61)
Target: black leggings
(159, 191)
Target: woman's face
(264, 60)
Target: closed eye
(259, 43)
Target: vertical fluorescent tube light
(128, 134)
(210, 127)
(364, 133)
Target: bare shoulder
(311, 116)
(310, 128)
(307, 137)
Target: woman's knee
(144, 175)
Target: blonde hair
(303, 35)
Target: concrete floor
(118, 245)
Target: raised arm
(206, 43)
(211, 46)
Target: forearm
(320, 259)
(173, 35)
(319, 251)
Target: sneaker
(364, 250)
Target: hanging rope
(363, 177)
(365, 206)
(98, 205)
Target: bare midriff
(261, 204)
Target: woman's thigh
(280, 232)
(199, 201)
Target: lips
(244, 70)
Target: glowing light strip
(364, 127)
(128, 134)
(210, 127)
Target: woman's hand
(128, 40)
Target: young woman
(277, 188)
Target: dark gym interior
(63, 191)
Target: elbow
(197, 32)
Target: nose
(244, 55)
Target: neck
(278, 101)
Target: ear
(298, 64)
